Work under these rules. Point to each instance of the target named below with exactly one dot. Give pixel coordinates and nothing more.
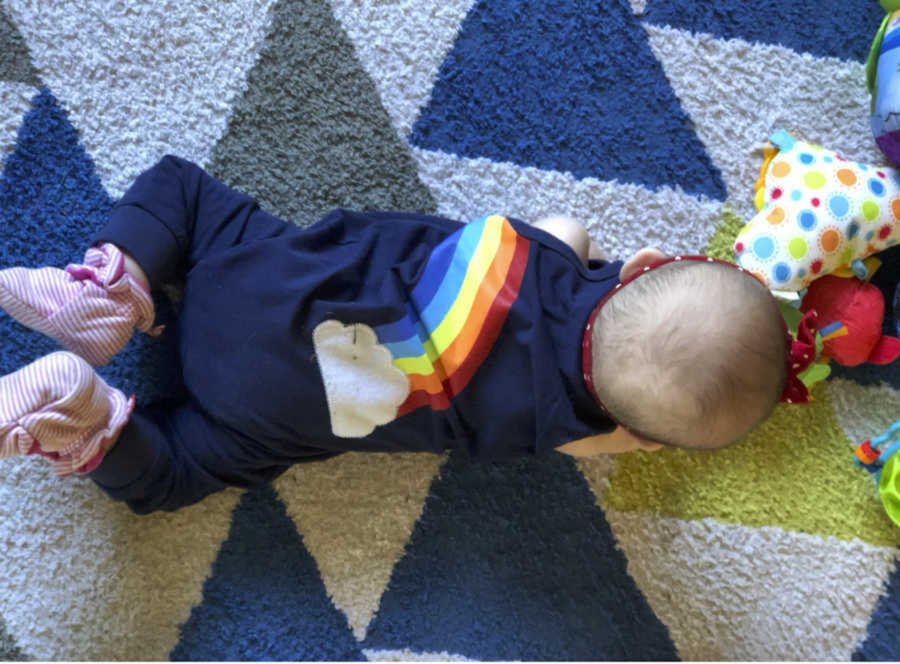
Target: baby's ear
(644, 258)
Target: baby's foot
(60, 408)
(90, 309)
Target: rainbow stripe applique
(456, 311)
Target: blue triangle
(568, 86)
(882, 643)
(869, 375)
(51, 204)
(515, 562)
(264, 599)
(838, 28)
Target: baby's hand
(569, 231)
(617, 441)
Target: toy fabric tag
(816, 372)
(820, 212)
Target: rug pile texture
(643, 120)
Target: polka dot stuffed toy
(818, 212)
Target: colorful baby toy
(883, 82)
(818, 216)
(850, 311)
(818, 212)
(879, 456)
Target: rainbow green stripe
(456, 310)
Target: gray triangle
(9, 650)
(15, 61)
(310, 133)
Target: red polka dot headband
(799, 352)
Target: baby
(376, 332)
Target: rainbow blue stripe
(456, 310)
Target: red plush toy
(850, 312)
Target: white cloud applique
(362, 385)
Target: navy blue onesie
(367, 331)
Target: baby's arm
(595, 253)
(572, 233)
(618, 440)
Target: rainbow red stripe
(456, 310)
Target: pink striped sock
(60, 408)
(91, 309)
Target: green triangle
(800, 451)
(15, 61)
(722, 242)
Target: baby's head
(690, 354)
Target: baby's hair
(690, 354)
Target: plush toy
(880, 456)
(855, 308)
(818, 212)
(850, 312)
(883, 82)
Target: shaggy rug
(642, 119)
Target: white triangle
(15, 102)
(728, 592)
(402, 44)
(142, 81)
(408, 655)
(83, 578)
(737, 93)
(863, 411)
(623, 218)
(638, 6)
(597, 470)
(356, 513)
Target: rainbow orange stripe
(456, 310)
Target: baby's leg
(91, 309)
(165, 459)
(172, 216)
(133, 268)
(152, 458)
(60, 408)
(175, 214)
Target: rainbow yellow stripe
(456, 310)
